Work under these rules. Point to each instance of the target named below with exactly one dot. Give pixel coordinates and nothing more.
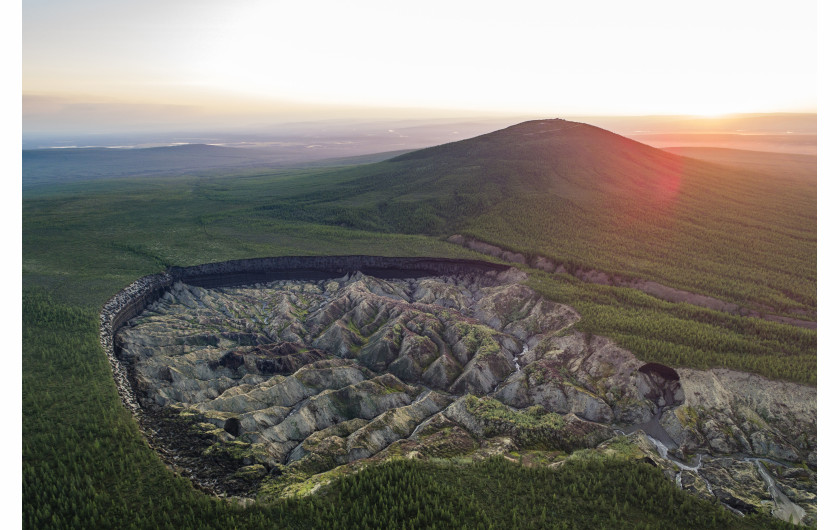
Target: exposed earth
(277, 388)
(654, 289)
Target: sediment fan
(279, 374)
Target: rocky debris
(275, 365)
(737, 484)
(116, 311)
(290, 379)
(357, 439)
(799, 485)
(196, 450)
(533, 427)
(135, 298)
(733, 412)
(278, 358)
(585, 375)
(518, 311)
(488, 249)
(740, 485)
(366, 399)
(744, 485)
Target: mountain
(563, 157)
(568, 153)
(589, 198)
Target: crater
(308, 370)
(270, 377)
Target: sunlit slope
(591, 198)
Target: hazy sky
(189, 60)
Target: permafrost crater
(276, 387)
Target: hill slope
(590, 198)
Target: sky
(155, 63)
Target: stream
(516, 359)
(663, 452)
(516, 366)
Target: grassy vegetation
(85, 242)
(493, 411)
(531, 428)
(85, 464)
(685, 335)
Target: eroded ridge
(275, 388)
